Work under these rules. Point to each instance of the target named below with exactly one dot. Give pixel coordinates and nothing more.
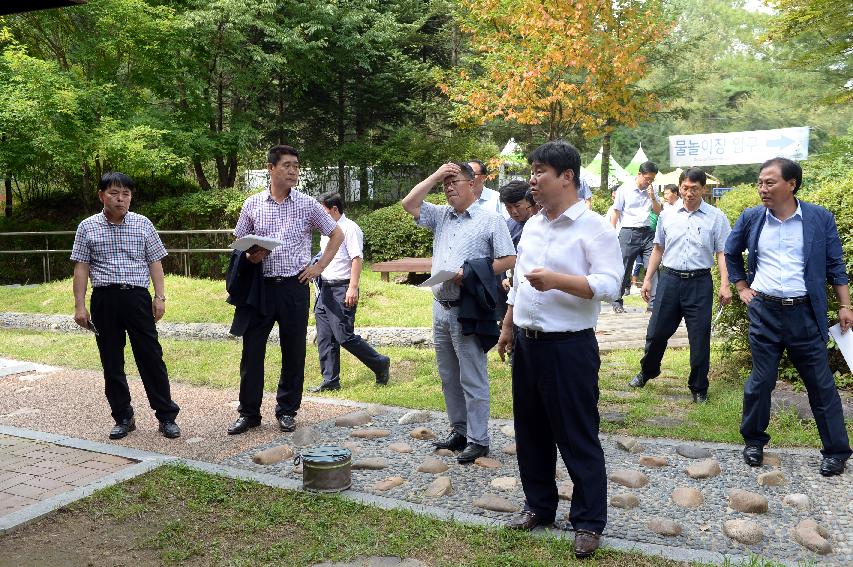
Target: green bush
(391, 233)
(200, 210)
(738, 200)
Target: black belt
(636, 228)
(280, 279)
(334, 283)
(120, 286)
(686, 274)
(535, 335)
(448, 304)
(783, 300)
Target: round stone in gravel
(625, 500)
(444, 452)
(354, 448)
(432, 466)
(629, 478)
(487, 463)
(614, 417)
(417, 416)
(374, 409)
(370, 433)
(629, 444)
(687, 497)
(748, 502)
(354, 419)
(441, 486)
(707, 468)
(388, 483)
(508, 430)
(772, 478)
(693, 451)
(798, 501)
(653, 461)
(812, 536)
(496, 503)
(400, 447)
(370, 464)
(297, 470)
(664, 421)
(771, 460)
(743, 531)
(664, 526)
(272, 455)
(509, 449)
(422, 433)
(305, 436)
(194, 440)
(504, 483)
(565, 490)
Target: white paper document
(844, 342)
(440, 277)
(243, 244)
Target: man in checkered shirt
(121, 252)
(285, 214)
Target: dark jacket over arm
(479, 308)
(244, 282)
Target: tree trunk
(342, 130)
(8, 183)
(200, 176)
(605, 162)
(363, 193)
(232, 171)
(221, 172)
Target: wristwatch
(161, 298)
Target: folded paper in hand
(844, 342)
(243, 244)
(440, 277)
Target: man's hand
(351, 297)
(256, 254)
(646, 290)
(81, 317)
(457, 279)
(542, 279)
(506, 284)
(311, 272)
(725, 295)
(446, 170)
(746, 294)
(158, 308)
(845, 318)
(505, 341)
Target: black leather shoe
(122, 428)
(287, 422)
(700, 397)
(472, 452)
(586, 542)
(618, 308)
(831, 466)
(526, 520)
(242, 424)
(638, 381)
(169, 429)
(326, 387)
(454, 442)
(384, 373)
(753, 455)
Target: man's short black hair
(332, 199)
(648, 167)
(529, 196)
(514, 191)
(788, 168)
(467, 170)
(696, 175)
(483, 169)
(672, 187)
(276, 152)
(560, 155)
(115, 179)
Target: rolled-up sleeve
(606, 268)
(429, 216)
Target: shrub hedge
(390, 233)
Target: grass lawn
(175, 515)
(415, 383)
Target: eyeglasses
(453, 183)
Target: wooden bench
(412, 265)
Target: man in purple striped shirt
(285, 214)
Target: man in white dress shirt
(568, 262)
(487, 198)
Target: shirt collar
(269, 195)
(108, 222)
(797, 213)
(573, 213)
(703, 207)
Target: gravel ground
(72, 402)
(832, 499)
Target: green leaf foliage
(217, 208)
(390, 233)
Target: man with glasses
(635, 200)
(285, 214)
(793, 249)
(688, 237)
(486, 197)
(463, 232)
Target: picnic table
(411, 265)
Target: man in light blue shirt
(488, 198)
(634, 202)
(689, 235)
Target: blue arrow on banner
(780, 142)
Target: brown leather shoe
(526, 520)
(586, 542)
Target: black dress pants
(287, 304)
(690, 299)
(555, 406)
(117, 311)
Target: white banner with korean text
(732, 148)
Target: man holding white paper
(793, 249)
(463, 232)
(285, 214)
